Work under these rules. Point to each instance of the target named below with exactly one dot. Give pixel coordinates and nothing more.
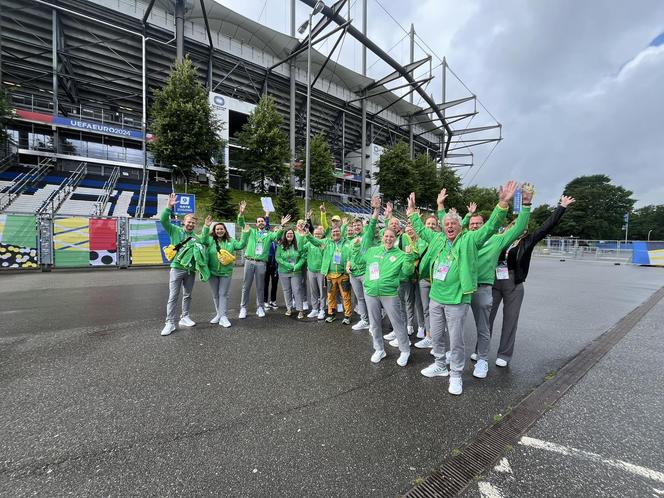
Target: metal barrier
(610, 250)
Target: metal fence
(568, 247)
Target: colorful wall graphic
(648, 253)
(18, 242)
(103, 242)
(71, 237)
(148, 238)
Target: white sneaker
(395, 343)
(481, 369)
(421, 333)
(305, 305)
(243, 313)
(473, 356)
(185, 321)
(448, 355)
(224, 322)
(361, 325)
(456, 386)
(410, 329)
(377, 356)
(434, 370)
(424, 343)
(403, 359)
(215, 319)
(340, 308)
(260, 312)
(312, 314)
(273, 305)
(390, 336)
(321, 315)
(168, 328)
(500, 362)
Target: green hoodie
(258, 245)
(314, 255)
(335, 254)
(178, 234)
(490, 251)
(367, 240)
(385, 270)
(213, 247)
(460, 258)
(290, 260)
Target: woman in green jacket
(290, 260)
(215, 237)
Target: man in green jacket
(255, 255)
(364, 239)
(454, 279)
(182, 276)
(488, 272)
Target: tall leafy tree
(539, 215)
(183, 123)
(265, 146)
(321, 170)
(647, 219)
(427, 182)
(598, 210)
(395, 178)
(450, 181)
(286, 202)
(222, 206)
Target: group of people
(423, 275)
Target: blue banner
(98, 128)
(185, 204)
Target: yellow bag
(170, 252)
(225, 258)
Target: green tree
(286, 202)
(647, 219)
(321, 169)
(598, 210)
(395, 178)
(485, 198)
(185, 128)
(450, 181)
(265, 145)
(427, 183)
(222, 206)
(539, 215)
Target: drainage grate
(484, 451)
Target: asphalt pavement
(93, 401)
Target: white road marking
(488, 490)
(618, 464)
(658, 491)
(503, 466)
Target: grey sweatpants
(221, 287)
(454, 315)
(357, 283)
(253, 269)
(425, 288)
(393, 311)
(179, 279)
(411, 304)
(291, 284)
(316, 284)
(512, 297)
(481, 306)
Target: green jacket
(488, 254)
(460, 257)
(213, 247)
(367, 240)
(339, 251)
(290, 260)
(178, 234)
(433, 247)
(259, 239)
(386, 270)
(314, 255)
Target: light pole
(649, 234)
(320, 5)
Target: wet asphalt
(93, 401)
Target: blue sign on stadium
(185, 204)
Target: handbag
(171, 250)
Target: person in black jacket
(512, 270)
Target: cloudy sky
(577, 86)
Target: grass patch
(550, 375)
(418, 480)
(456, 452)
(497, 418)
(508, 448)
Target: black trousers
(271, 276)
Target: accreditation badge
(440, 272)
(259, 248)
(374, 271)
(502, 273)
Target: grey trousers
(481, 306)
(454, 315)
(177, 279)
(253, 269)
(393, 311)
(291, 284)
(316, 283)
(357, 283)
(425, 288)
(512, 297)
(221, 287)
(411, 304)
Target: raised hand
(243, 206)
(208, 220)
(322, 208)
(375, 202)
(472, 207)
(412, 204)
(246, 228)
(566, 200)
(172, 199)
(453, 211)
(506, 193)
(310, 214)
(344, 221)
(388, 210)
(285, 219)
(440, 200)
(527, 193)
(409, 249)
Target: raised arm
(440, 202)
(408, 264)
(205, 237)
(497, 217)
(426, 233)
(238, 245)
(552, 220)
(165, 217)
(472, 207)
(323, 218)
(521, 223)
